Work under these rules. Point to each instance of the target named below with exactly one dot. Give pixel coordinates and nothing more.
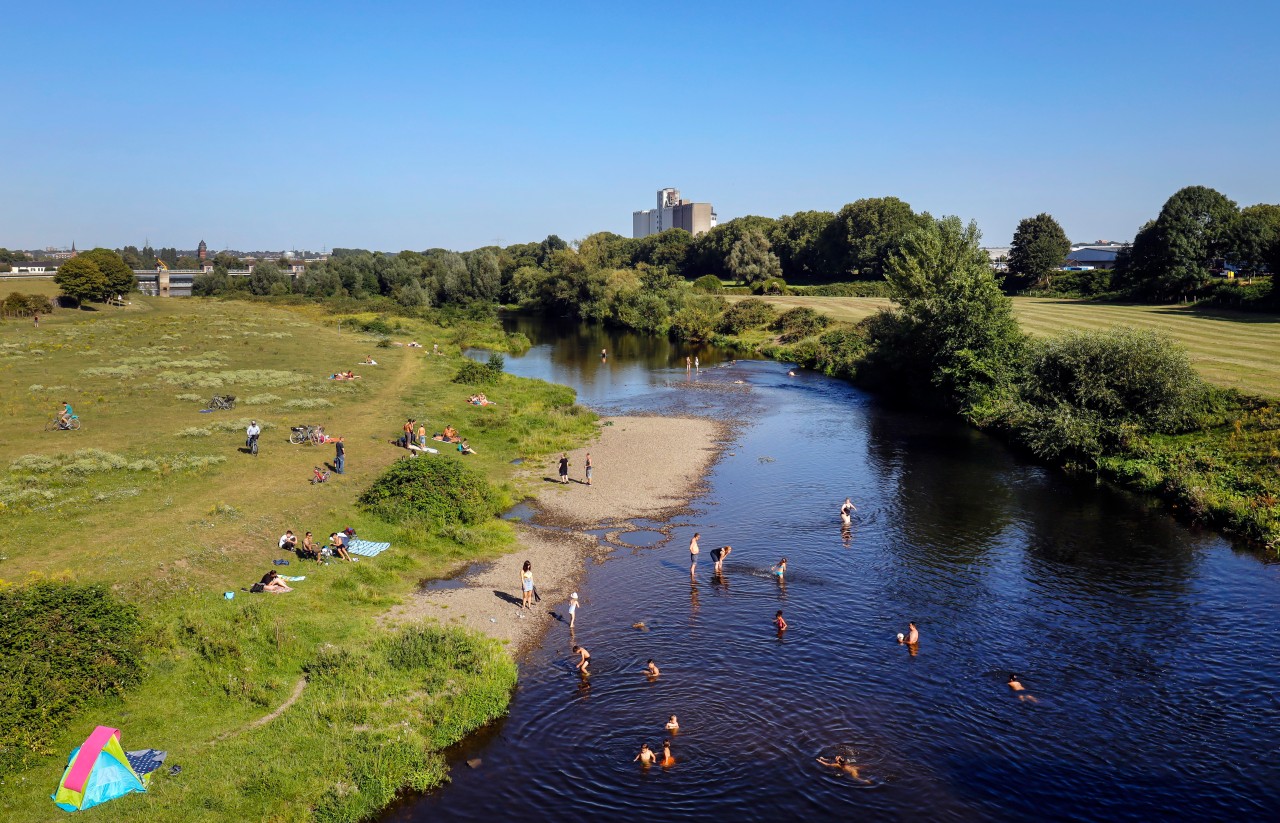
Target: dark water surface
(1148, 645)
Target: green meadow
(1232, 349)
(297, 706)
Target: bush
(774, 285)
(25, 305)
(747, 314)
(474, 373)
(438, 492)
(708, 283)
(1086, 393)
(696, 319)
(863, 288)
(64, 644)
(798, 323)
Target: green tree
(1253, 234)
(80, 279)
(953, 319)
(119, 277)
(268, 279)
(227, 261)
(797, 240)
(751, 261)
(484, 276)
(1172, 255)
(1040, 247)
(865, 234)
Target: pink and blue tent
(97, 771)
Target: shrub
(1087, 392)
(696, 320)
(308, 403)
(708, 283)
(774, 285)
(798, 323)
(439, 492)
(862, 288)
(747, 314)
(64, 644)
(474, 373)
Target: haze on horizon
(313, 125)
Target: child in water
(584, 659)
(646, 756)
(779, 622)
(573, 609)
(673, 725)
(667, 759)
(780, 570)
(652, 669)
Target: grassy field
(1233, 349)
(158, 501)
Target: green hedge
(61, 644)
(436, 491)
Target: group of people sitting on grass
(480, 400)
(309, 549)
(345, 375)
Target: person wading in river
(693, 554)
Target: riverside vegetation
(122, 537)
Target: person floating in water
(646, 756)
(584, 659)
(1020, 690)
(673, 725)
(779, 622)
(652, 668)
(780, 570)
(839, 762)
(667, 759)
(719, 555)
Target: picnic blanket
(295, 579)
(145, 761)
(367, 548)
(427, 449)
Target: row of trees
(1198, 230)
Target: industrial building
(673, 213)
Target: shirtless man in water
(845, 766)
(652, 669)
(912, 637)
(1020, 690)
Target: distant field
(1235, 349)
(28, 285)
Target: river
(1143, 642)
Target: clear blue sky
(386, 125)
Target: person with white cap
(573, 609)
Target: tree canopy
(751, 261)
(1172, 255)
(80, 279)
(1040, 247)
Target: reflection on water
(1143, 642)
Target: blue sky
(385, 125)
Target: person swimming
(673, 725)
(652, 669)
(844, 765)
(646, 756)
(1021, 691)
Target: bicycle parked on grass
(72, 423)
(306, 435)
(222, 402)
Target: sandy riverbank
(644, 467)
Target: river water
(1146, 644)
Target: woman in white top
(526, 586)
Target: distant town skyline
(459, 127)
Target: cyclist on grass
(64, 416)
(251, 434)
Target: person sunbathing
(272, 582)
(309, 550)
(465, 447)
(369, 361)
(339, 543)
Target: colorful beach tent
(98, 771)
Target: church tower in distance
(202, 252)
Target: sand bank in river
(644, 467)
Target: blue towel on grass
(367, 548)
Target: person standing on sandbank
(564, 467)
(526, 586)
(588, 468)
